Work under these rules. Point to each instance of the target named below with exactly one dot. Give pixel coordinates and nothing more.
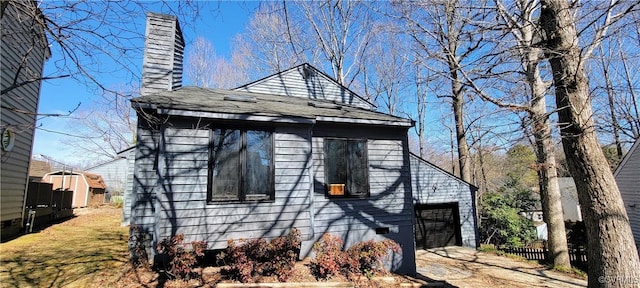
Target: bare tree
(341, 34)
(520, 26)
(630, 107)
(206, 69)
(444, 31)
(613, 79)
(201, 61)
(386, 69)
(613, 257)
(270, 43)
(94, 43)
(104, 128)
(83, 33)
(611, 104)
(421, 108)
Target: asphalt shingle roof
(237, 102)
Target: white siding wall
(628, 179)
(431, 185)
(19, 31)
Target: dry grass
(76, 253)
(90, 250)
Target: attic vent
(306, 72)
(325, 105)
(240, 98)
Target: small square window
(346, 168)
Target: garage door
(437, 225)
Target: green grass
(76, 253)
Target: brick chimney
(163, 54)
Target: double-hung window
(241, 165)
(346, 168)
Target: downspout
(312, 223)
(161, 167)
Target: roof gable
(630, 154)
(93, 180)
(38, 168)
(305, 81)
(445, 172)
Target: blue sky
(220, 22)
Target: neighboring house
(118, 177)
(88, 189)
(115, 171)
(569, 199)
(37, 170)
(23, 51)
(445, 207)
(292, 150)
(570, 207)
(627, 176)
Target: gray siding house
(627, 176)
(23, 51)
(115, 171)
(118, 177)
(292, 150)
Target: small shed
(627, 174)
(118, 178)
(88, 189)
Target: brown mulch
(211, 277)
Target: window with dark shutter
(346, 168)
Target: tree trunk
(464, 156)
(613, 257)
(550, 195)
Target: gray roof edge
(474, 187)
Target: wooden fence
(44, 205)
(577, 256)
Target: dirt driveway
(465, 267)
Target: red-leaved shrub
(248, 259)
(179, 260)
(364, 258)
(367, 257)
(329, 257)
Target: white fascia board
(231, 116)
